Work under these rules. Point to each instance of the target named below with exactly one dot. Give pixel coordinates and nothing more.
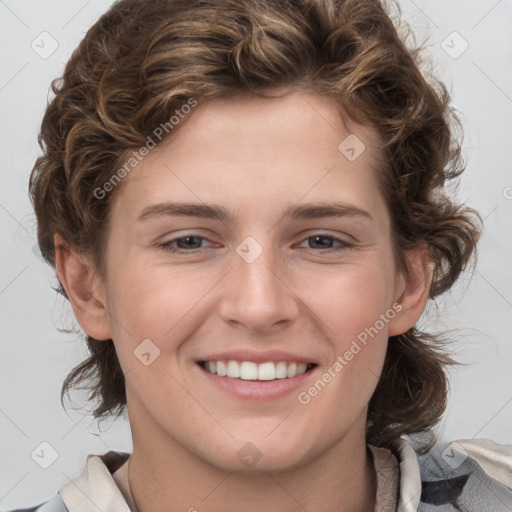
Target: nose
(259, 295)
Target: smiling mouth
(248, 370)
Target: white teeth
(248, 370)
(233, 370)
(301, 368)
(222, 371)
(291, 370)
(281, 370)
(266, 371)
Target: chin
(261, 455)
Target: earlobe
(414, 290)
(83, 288)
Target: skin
(255, 157)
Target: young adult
(245, 205)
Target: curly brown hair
(143, 60)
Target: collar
(95, 488)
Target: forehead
(249, 148)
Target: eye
(325, 242)
(184, 244)
(194, 243)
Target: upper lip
(258, 357)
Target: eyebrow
(294, 212)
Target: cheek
(353, 307)
(156, 302)
(351, 298)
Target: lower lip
(258, 389)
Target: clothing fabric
(466, 475)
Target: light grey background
(35, 357)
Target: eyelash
(167, 246)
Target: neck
(164, 476)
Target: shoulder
(53, 505)
(472, 475)
(95, 483)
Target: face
(251, 244)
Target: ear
(83, 288)
(413, 290)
